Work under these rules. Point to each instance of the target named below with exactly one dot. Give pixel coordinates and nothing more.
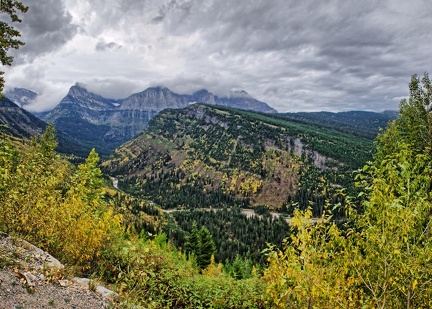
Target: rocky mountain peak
(78, 95)
(21, 96)
(78, 90)
(204, 96)
(155, 99)
(239, 93)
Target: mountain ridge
(108, 123)
(211, 156)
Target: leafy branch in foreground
(8, 34)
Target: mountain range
(202, 155)
(94, 121)
(107, 123)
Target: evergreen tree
(207, 248)
(191, 245)
(200, 244)
(383, 260)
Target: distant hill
(107, 123)
(20, 123)
(210, 156)
(361, 123)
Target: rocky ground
(31, 278)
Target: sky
(330, 55)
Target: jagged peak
(77, 89)
(158, 88)
(80, 91)
(22, 90)
(202, 91)
(239, 93)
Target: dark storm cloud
(102, 45)
(45, 27)
(354, 47)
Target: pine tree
(206, 248)
(383, 260)
(200, 244)
(192, 240)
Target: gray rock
(64, 282)
(29, 278)
(106, 293)
(81, 282)
(50, 261)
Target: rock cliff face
(160, 98)
(83, 104)
(242, 100)
(106, 123)
(24, 283)
(155, 99)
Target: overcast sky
(295, 55)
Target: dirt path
(249, 213)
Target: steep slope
(155, 99)
(86, 103)
(20, 123)
(17, 121)
(82, 115)
(25, 98)
(160, 98)
(203, 156)
(240, 99)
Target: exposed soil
(30, 278)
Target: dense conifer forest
(207, 156)
(234, 234)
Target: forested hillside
(18, 122)
(360, 123)
(236, 236)
(207, 156)
(378, 257)
(69, 212)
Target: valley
(231, 179)
(195, 160)
(119, 192)
(204, 156)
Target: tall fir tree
(207, 248)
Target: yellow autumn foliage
(48, 202)
(381, 257)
